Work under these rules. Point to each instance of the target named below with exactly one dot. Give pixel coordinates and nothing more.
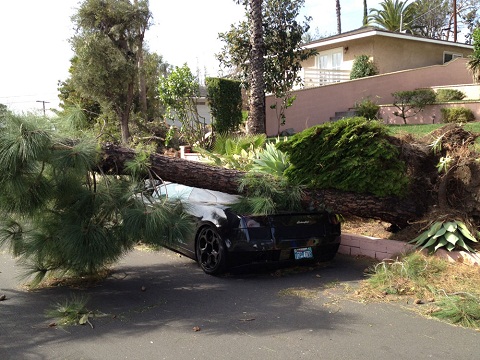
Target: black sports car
(225, 239)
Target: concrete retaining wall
(382, 249)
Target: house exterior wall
(392, 54)
(316, 105)
(390, 51)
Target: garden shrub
(225, 100)
(362, 67)
(457, 115)
(450, 95)
(411, 102)
(352, 154)
(367, 109)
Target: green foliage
(367, 109)
(352, 154)
(474, 59)
(271, 161)
(283, 53)
(362, 67)
(453, 286)
(61, 217)
(444, 95)
(406, 276)
(280, 106)
(72, 311)
(450, 235)
(178, 93)
(393, 15)
(461, 309)
(457, 114)
(107, 45)
(268, 195)
(237, 152)
(225, 101)
(411, 102)
(434, 18)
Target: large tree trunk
(398, 211)
(256, 116)
(365, 13)
(339, 21)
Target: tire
(210, 251)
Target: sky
(36, 52)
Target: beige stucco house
(390, 51)
(404, 62)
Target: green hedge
(225, 100)
(352, 154)
(449, 95)
(457, 115)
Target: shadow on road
(160, 291)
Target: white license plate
(303, 253)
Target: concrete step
(343, 114)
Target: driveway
(162, 306)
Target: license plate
(303, 253)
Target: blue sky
(36, 53)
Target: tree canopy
(282, 53)
(393, 15)
(107, 45)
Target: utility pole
(43, 102)
(454, 20)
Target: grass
(420, 130)
(449, 290)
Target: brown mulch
(379, 229)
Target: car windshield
(191, 194)
(173, 191)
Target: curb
(382, 249)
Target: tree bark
(256, 116)
(365, 13)
(339, 21)
(398, 211)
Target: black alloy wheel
(211, 253)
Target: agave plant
(271, 161)
(445, 234)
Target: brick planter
(382, 249)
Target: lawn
(423, 129)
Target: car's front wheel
(211, 252)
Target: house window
(449, 56)
(330, 59)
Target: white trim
(386, 34)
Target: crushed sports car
(225, 239)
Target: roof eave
(360, 35)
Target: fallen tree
(62, 215)
(396, 210)
(430, 189)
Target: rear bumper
(320, 253)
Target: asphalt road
(162, 306)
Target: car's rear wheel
(211, 252)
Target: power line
(43, 102)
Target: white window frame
(454, 56)
(328, 55)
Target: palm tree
(339, 21)
(365, 13)
(394, 15)
(256, 116)
(474, 59)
